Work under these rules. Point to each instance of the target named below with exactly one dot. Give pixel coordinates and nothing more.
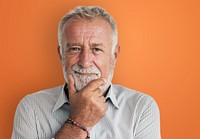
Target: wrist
(81, 121)
(78, 125)
(69, 131)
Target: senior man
(88, 105)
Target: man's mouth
(86, 74)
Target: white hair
(88, 13)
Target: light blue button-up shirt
(130, 115)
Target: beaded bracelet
(72, 122)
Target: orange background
(160, 48)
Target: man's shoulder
(122, 90)
(43, 96)
(126, 94)
(54, 91)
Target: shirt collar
(62, 99)
(112, 96)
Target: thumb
(71, 87)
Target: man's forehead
(89, 25)
(94, 32)
(93, 35)
(80, 31)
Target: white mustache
(92, 70)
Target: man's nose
(85, 58)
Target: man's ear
(117, 50)
(58, 49)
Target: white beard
(81, 80)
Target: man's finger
(71, 87)
(95, 84)
(99, 92)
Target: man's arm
(87, 107)
(149, 121)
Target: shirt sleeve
(149, 121)
(24, 121)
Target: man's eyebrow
(73, 44)
(96, 44)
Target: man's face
(87, 53)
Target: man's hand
(87, 106)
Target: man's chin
(80, 83)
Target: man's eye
(96, 50)
(74, 49)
